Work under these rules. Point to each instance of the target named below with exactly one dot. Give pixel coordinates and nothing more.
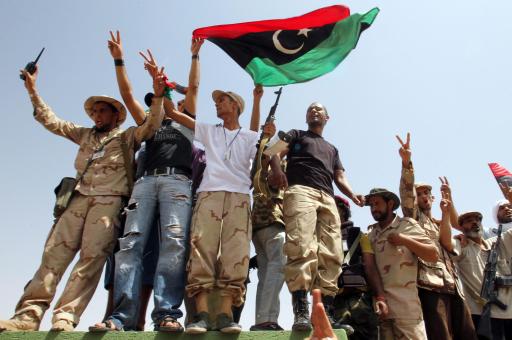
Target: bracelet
(195, 56)
(119, 62)
(380, 298)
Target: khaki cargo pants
(89, 224)
(220, 244)
(313, 240)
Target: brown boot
(62, 325)
(22, 322)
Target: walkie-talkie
(31, 66)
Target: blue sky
(438, 69)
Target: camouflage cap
(422, 185)
(239, 100)
(468, 214)
(383, 193)
(116, 103)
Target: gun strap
(100, 147)
(352, 249)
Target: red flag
(501, 174)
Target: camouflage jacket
(437, 276)
(107, 174)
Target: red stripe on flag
(320, 17)
(499, 171)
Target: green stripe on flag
(322, 59)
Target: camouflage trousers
(89, 224)
(220, 244)
(402, 329)
(313, 240)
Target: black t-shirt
(312, 161)
(171, 146)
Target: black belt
(166, 171)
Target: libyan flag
(294, 50)
(502, 175)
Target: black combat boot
(301, 321)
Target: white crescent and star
(284, 50)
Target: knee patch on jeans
(128, 240)
(174, 231)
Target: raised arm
(255, 115)
(445, 230)
(342, 183)
(44, 114)
(407, 193)
(446, 192)
(190, 103)
(156, 112)
(125, 89)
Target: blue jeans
(172, 196)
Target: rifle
(489, 291)
(259, 178)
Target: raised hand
(159, 83)
(114, 45)
(257, 92)
(30, 79)
(150, 63)
(507, 191)
(445, 186)
(405, 149)
(196, 45)
(445, 203)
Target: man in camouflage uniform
(89, 223)
(268, 237)
(398, 242)
(442, 301)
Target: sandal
(169, 324)
(106, 326)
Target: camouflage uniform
(89, 223)
(220, 237)
(439, 287)
(398, 269)
(313, 240)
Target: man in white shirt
(221, 224)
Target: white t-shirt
(227, 168)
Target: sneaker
(22, 322)
(225, 324)
(63, 326)
(266, 326)
(200, 324)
